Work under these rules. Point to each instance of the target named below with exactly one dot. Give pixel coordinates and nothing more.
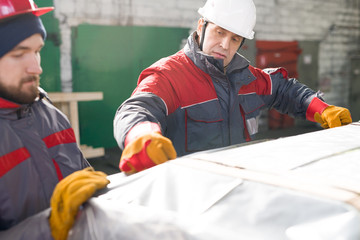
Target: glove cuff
(141, 129)
(315, 106)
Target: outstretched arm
(137, 130)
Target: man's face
(218, 42)
(20, 71)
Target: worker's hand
(67, 197)
(333, 116)
(146, 151)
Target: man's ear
(200, 26)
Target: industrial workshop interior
(110, 68)
(100, 47)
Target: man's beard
(17, 95)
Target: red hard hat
(10, 8)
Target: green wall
(110, 59)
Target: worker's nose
(34, 66)
(225, 42)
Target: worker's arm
(289, 96)
(137, 131)
(141, 107)
(277, 90)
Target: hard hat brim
(37, 12)
(40, 11)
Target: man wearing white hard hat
(38, 150)
(208, 96)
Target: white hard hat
(237, 16)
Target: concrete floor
(110, 162)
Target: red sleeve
(156, 83)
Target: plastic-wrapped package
(301, 187)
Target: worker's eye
(17, 54)
(220, 32)
(236, 39)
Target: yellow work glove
(333, 116)
(146, 151)
(67, 197)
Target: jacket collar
(8, 104)
(12, 111)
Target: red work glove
(147, 150)
(328, 116)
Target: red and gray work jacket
(200, 106)
(37, 150)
